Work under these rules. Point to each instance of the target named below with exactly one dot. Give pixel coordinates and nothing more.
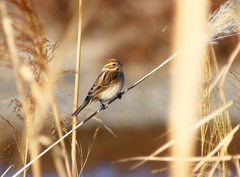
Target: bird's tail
(84, 104)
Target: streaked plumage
(108, 84)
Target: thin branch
(145, 77)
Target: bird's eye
(114, 64)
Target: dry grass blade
(6, 21)
(18, 139)
(90, 148)
(106, 127)
(189, 159)
(79, 145)
(223, 151)
(6, 170)
(160, 170)
(224, 71)
(224, 142)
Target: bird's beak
(120, 64)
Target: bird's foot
(120, 95)
(103, 105)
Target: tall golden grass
(23, 32)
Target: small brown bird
(108, 84)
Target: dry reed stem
(25, 153)
(189, 159)
(57, 122)
(215, 63)
(236, 163)
(76, 90)
(230, 62)
(59, 165)
(56, 155)
(89, 149)
(59, 130)
(7, 27)
(186, 76)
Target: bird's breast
(111, 92)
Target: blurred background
(139, 35)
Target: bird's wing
(103, 81)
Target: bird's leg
(119, 95)
(103, 105)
